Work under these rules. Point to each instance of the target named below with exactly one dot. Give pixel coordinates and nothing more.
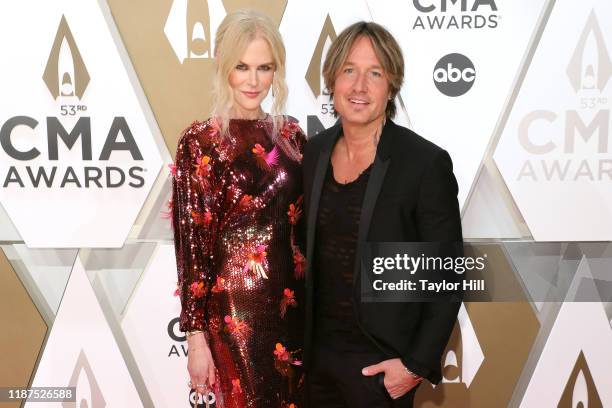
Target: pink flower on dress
(215, 126)
(168, 214)
(265, 160)
(197, 289)
(256, 261)
(177, 290)
(172, 168)
(288, 300)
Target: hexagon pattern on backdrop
(75, 138)
(554, 152)
(77, 124)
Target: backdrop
(96, 92)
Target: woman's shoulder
(207, 130)
(290, 129)
(200, 138)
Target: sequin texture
(236, 251)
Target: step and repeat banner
(96, 93)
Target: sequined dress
(236, 207)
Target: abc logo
(454, 74)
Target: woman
(236, 204)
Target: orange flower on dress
(204, 218)
(219, 286)
(289, 129)
(294, 213)
(236, 388)
(235, 326)
(245, 201)
(203, 167)
(299, 264)
(197, 289)
(281, 352)
(283, 355)
(288, 300)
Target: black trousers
(334, 380)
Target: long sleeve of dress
(197, 217)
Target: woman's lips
(250, 94)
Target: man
(369, 180)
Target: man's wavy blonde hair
(234, 34)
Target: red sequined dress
(235, 209)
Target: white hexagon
(191, 27)
(493, 35)
(574, 339)
(81, 351)
(554, 153)
(152, 331)
(77, 157)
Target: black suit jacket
(411, 196)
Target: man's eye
(377, 74)
(348, 70)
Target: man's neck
(361, 139)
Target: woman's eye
(265, 68)
(241, 67)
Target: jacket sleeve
(438, 220)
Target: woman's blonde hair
(234, 34)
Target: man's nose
(360, 84)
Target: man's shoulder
(407, 141)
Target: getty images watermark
(412, 265)
(420, 271)
(473, 272)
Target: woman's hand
(200, 363)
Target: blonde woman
(236, 204)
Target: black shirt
(334, 252)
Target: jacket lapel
(375, 182)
